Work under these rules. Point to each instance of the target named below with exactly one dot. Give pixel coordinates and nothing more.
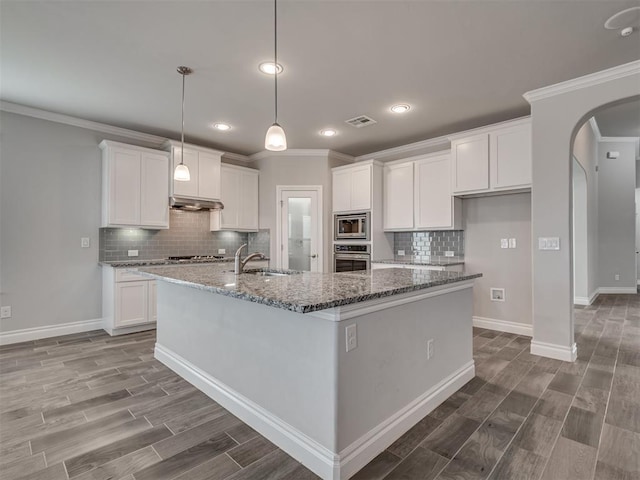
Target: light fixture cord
(275, 53)
(182, 147)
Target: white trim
(341, 156)
(595, 128)
(552, 350)
(318, 458)
(407, 149)
(417, 158)
(79, 122)
(503, 326)
(586, 300)
(359, 164)
(490, 128)
(366, 448)
(353, 310)
(617, 290)
(36, 333)
(236, 156)
(619, 139)
(170, 144)
(592, 79)
(300, 152)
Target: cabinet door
(124, 187)
(249, 201)
(190, 188)
(230, 197)
(511, 157)
(153, 301)
(209, 176)
(154, 189)
(132, 303)
(470, 164)
(361, 188)
(398, 196)
(433, 201)
(342, 191)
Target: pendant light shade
(275, 140)
(181, 173)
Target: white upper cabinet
(135, 186)
(240, 198)
(494, 158)
(398, 196)
(352, 188)
(435, 207)
(204, 169)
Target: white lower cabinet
(128, 301)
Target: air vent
(361, 121)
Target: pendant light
(275, 140)
(181, 173)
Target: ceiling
(622, 120)
(460, 64)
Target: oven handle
(348, 256)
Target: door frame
(299, 188)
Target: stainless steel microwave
(353, 226)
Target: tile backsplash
(426, 245)
(188, 235)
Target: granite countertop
(164, 261)
(305, 292)
(433, 261)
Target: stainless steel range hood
(193, 204)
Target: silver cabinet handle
(313, 256)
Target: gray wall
(554, 122)
(616, 219)
(585, 151)
(580, 235)
(487, 220)
(296, 170)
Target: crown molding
(595, 128)
(238, 157)
(490, 128)
(79, 122)
(407, 149)
(301, 152)
(614, 73)
(619, 139)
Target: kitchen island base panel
(289, 376)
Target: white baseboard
(551, 350)
(586, 301)
(618, 290)
(318, 458)
(28, 334)
(503, 326)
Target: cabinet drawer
(123, 275)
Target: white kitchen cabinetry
(204, 168)
(417, 195)
(439, 268)
(398, 196)
(492, 159)
(128, 301)
(239, 195)
(434, 204)
(135, 186)
(352, 188)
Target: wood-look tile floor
(93, 407)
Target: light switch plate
(401, 253)
(512, 243)
(132, 253)
(504, 243)
(222, 250)
(5, 312)
(548, 243)
(85, 242)
(449, 253)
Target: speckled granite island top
(305, 292)
(434, 262)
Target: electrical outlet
(616, 277)
(430, 349)
(504, 243)
(5, 312)
(512, 243)
(449, 253)
(548, 243)
(497, 294)
(401, 253)
(85, 242)
(132, 253)
(222, 250)
(352, 337)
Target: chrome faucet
(239, 263)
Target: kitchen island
(332, 368)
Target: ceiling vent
(360, 121)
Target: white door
(300, 228)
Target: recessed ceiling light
(222, 126)
(328, 132)
(401, 108)
(625, 32)
(270, 68)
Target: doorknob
(313, 256)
